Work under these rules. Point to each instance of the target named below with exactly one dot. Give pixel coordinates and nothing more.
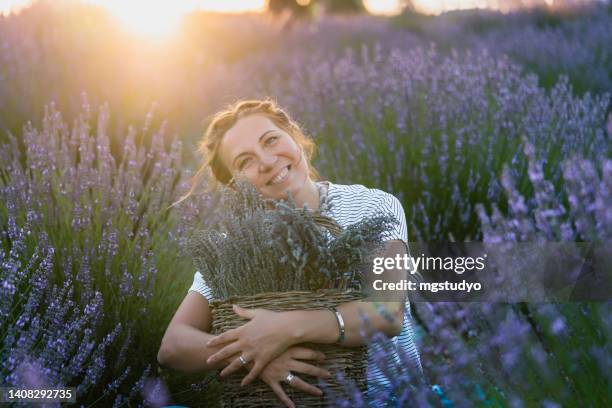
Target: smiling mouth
(280, 177)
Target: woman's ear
(303, 155)
(232, 183)
(235, 179)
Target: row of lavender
(91, 254)
(549, 44)
(55, 50)
(436, 130)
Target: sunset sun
(151, 18)
(159, 18)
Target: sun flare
(151, 18)
(159, 18)
(385, 7)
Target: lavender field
(487, 127)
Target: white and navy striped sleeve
(200, 286)
(391, 205)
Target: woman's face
(256, 149)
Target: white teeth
(281, 176)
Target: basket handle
(328, 223)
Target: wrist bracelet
(340, 321)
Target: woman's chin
(276, 194)
(279, 192)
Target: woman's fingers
(253, 373)
(242, 312)
(235, 365)
(278, 390)
(302, 385)
(309, 369)
(224, 353)
(226, 337)
(304, 353)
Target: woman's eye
(243, 163)
(271, 140)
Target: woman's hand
(278, 369)
(266, 336)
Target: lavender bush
(581, 211)
(52, 338)
(434, 129)
(524, 354)
(560, 50)
(110, 250)
(547, 43)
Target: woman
(258, 141)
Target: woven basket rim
(323, 291)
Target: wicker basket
(350, 362)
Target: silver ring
(289, 378)
(242, 360)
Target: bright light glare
(161, 17)
(233, 6)
(440, 6)
(383, 6)
(155, 17)
(149, 17)
(12, 6)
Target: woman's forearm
(184, 349)
(321, 326)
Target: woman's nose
(266, 162)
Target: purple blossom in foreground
(84, 235)
(155, 393)
(478, 353)
(47, 338)
(581, 211)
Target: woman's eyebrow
(258, 140)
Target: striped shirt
(348, 205)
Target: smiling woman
(258, 141)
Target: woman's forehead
(245, 134)
(251, 126)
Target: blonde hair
(224, 120)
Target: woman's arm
(269, 333)
(321, 326)
(183, 346)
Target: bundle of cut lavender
(259, 245)
(270, 254)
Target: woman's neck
(308, 195)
